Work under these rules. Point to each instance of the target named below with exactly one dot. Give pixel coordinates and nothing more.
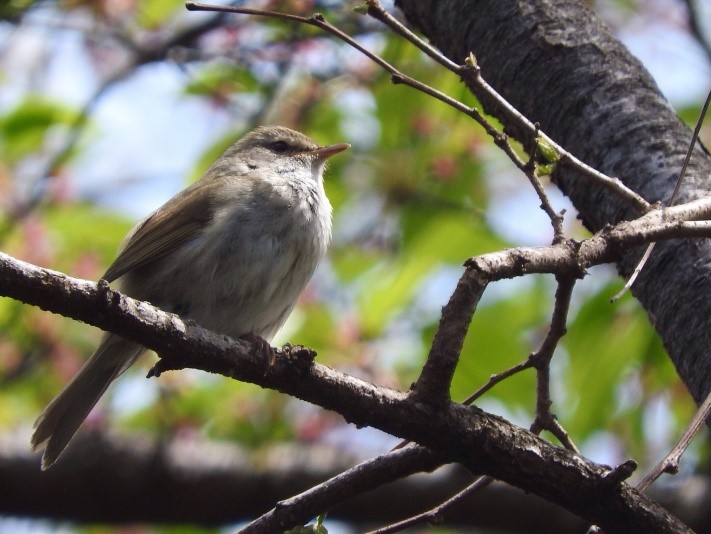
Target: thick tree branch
(433, 383)
(117, 479)
(483, 443)
(436, 376)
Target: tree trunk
(557, 63)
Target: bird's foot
(261, 347)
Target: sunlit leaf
(14, 8)
(221, 79)
(450, 238)
(605, 343)
(23, 129)
(154, 13)
(503, 334)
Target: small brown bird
(231, 252)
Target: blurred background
(110, 107)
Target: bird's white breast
(245, 272)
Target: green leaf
(14, 8)
(547, 150)
(22, 129)
(545, 170)
(605, 343)
(80, 229)
(152, 14)
(221, 79)
(427, 244)
(317, 528)
(360, 9)
(499, 337)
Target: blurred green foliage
(410, 205)
(153, 14)
(14, 8)
(24, 127)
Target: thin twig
(436, 515)
(670, 463)
(545, 419)
(532, 175)
(397, 77)
(692, 145)
(471, 73)
(556, 331)
(496, 378)
(370, 474)
(378, 12)
(637, 270)
(682, 173)
(434, 381)
(141, 56)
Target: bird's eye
(279, 146)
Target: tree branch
(485, 444)
(113, 479)
(367, 476)
(556, 63)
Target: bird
(231, 252)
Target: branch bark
(483, 443)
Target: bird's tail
(63, 416)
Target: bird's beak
(326, 152)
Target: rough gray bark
(559, 65)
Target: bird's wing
(176, 222)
